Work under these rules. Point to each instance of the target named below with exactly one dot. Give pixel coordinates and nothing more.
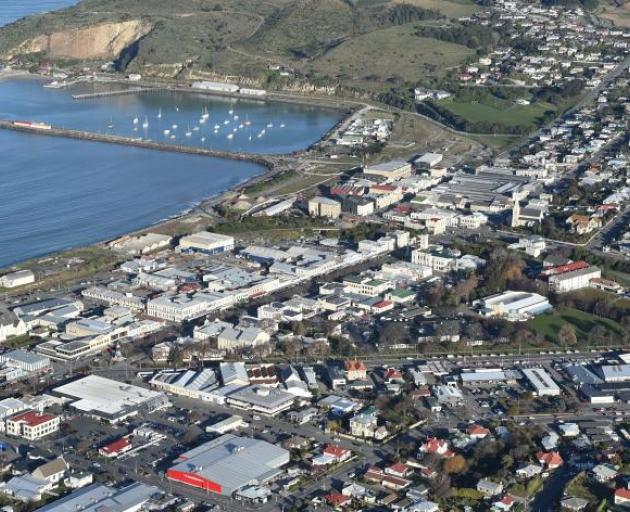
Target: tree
(454, 465)
(566, 335)
(466, 287)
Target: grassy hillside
(368, 45)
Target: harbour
(97, 174)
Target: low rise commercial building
(393, 170)
(32, 425)
(228, 464)
(108, 399)
(574, 280)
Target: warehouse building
(542, 382)
(615, 372)
(98, 497)
(324, 207)
(229, 463)
(393, 170)
(108, 399)
(15, 279)
(206, 242)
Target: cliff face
(103, 41)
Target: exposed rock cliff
(102, 41)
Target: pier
(268, 161)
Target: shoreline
(282, 163)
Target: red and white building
(32, 425)
(116, 448)
(551, 460)
(436, 446)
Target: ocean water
(60, 193)
(11, 10)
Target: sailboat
(230, 136)
(135, 120)
(247, 122)
(145, 124)
(111, 123)
(174, 127)
(230, 112)
(282, 125)
(159, 114)
(167, 132)
(203, 139)
(188, 132)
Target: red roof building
(116, 448)
(552, 460)
(355, 370)
(622, 496)
(477, 431)
(337, 500)
(339, 453)
(32, 425)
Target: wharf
(268, 161)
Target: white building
(206, 242)
(514, 305)
(574, 280)
(542, 382)
(15, 279)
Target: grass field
(450, 8)
(550, 324)
(500, 112)
(394, 53)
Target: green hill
(368, 45)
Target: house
(489, 488)
(338, 500)
(395, 483)
(334, 454)
(364, 424)
(52, 471)
(504, 503)
(622, 496)
(392, 375)
(604, 473)
(529, 471)
(583, 224)
(551, 460)
(355, 370)
(477, 431)
(574, 504)
(436, 446)
(398, 469)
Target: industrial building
(542, 382)
(206, 242)
(15, 279)
(98, 497)
(142, 244)
(324, 207)
(108, 399)
(229, 463)
(615, 372)
(393, 170)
